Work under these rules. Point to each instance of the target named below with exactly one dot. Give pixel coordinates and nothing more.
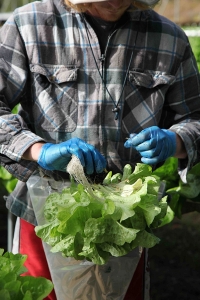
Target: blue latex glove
(57, 156)
(154, 144)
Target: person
(112, 82)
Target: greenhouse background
(175, 262)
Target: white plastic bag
(81, 280)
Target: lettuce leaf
(178, 192)
(119, 216)
(14, 286)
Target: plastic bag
(74, 279)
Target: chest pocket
(144, 99)
(54, 97)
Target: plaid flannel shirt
(47, 65)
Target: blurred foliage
(7, 180)
(195, 44)
(10, 5)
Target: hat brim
(147, 2)
(85, 1)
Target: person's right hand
(57, 156)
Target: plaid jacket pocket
(144, 99)
(54, 97)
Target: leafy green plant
(7, 180)
(14, 286)
(179, 192)
(116, 217)
(119, 214)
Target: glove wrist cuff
(172, 137)
(41, 158)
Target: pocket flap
(150, 79)
(56, 73)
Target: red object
(31, 245)
(36, 263)
(136, 287)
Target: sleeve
(182, 109)
(15, 136)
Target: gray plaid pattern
(49, 69)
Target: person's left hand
(154, 144)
